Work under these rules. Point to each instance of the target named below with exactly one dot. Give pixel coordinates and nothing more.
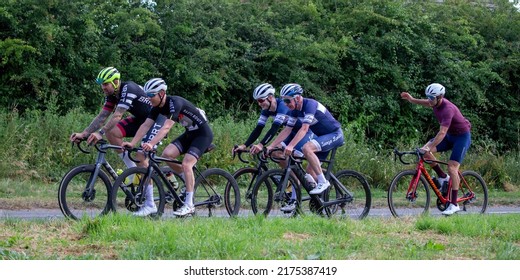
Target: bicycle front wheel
(474, 191)
(81, 195)
(129, 191)
(404, 200)
(271, 197)
(216, 192)
(246, 178)
(356, 193)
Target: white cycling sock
(321, 178)
(128, 162)
(189, 198)
(149, 196)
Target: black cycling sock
(439, 171)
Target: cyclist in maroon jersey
(454, 134)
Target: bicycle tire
(357, 185)
(263, 197)
(218, 186)
(399, 204)
(479, 188)
(73, 204)
(127, 180)
(246, 178)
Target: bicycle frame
(102, 146)
(421, 170)
(153, 166)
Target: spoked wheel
(216, 192)
(128, 197)
(268, 200)
(81, 195)
(475, 190)
(403, 202)
(245, 178)
(357, 199)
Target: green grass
(473, 237)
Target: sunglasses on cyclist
(430, 97)
(287, 100)
(151, 94)
(260, 100)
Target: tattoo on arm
(98, 121)
(116, 117)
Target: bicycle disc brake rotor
(88, 196)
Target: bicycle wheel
(74, 199)
(246, 178)
(358, 195)
(126, 196)
(216, 192)
(267, 200)
(473, 185)
(401, 202)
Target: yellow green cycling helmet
(108, 75)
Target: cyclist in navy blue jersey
(271, 107)
(192, 143)
(316, 118)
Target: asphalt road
(29, 214)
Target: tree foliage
(354, 56)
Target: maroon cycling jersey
(182, 111)
(132, 98)
(450, 116)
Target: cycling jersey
(132, 98)
(320, 120)
(198, 135)
(450, 116)
(280, 118)
(181, 111)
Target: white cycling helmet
(263, 91)
(435, 90)
(155, 85)
(291, 90)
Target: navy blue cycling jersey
(316, 115)
(132, 98)
(281, 115)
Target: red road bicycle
(409, 192)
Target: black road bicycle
(214, 187)
(348, 195)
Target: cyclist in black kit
(192, 143)
(120, 97)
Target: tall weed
(36, 146)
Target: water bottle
(171, 178)
(310, 181)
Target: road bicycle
(349, 194)
(214, 187)
(409, 192)
(85, 189)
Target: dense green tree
(354, 56)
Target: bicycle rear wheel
(216, 193)
(358, 196)
(473, 185)
(76, 201)
(269, 196)
(404, 204)
(127, 197)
